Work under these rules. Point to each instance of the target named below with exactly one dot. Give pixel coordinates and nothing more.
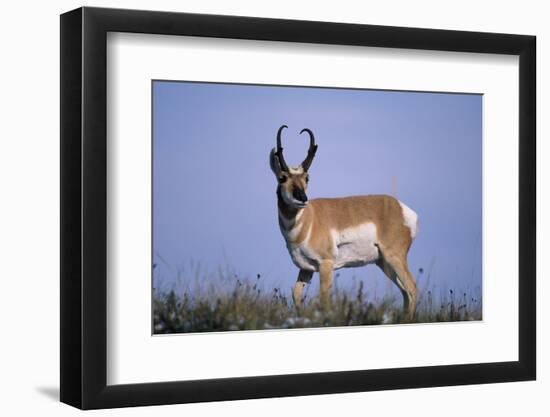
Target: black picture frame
(84, 207)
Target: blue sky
(214, 194)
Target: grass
(246, 305)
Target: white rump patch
(411, 219)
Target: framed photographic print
(258, 207)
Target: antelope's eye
(282, 179)
(307, 179)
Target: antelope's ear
(274, 163)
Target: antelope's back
(395, 222)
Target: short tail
(411, 219)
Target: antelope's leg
(406, 279)
(303, 278)
(397, 270)
(325, 274)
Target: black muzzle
(299, 195)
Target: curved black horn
(311, 151)
(279, 152)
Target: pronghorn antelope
(326, 234)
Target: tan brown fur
(342, 213)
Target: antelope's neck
(285, 211)
(289, 217)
